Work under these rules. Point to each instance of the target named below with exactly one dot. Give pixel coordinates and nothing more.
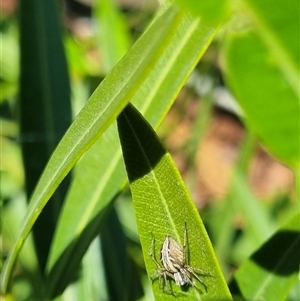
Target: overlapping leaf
(155, 68)
(274, 267)
(262, 69)
(163, 207)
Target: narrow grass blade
(45, 107)
(113, 33)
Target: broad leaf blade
(94, 188)
(163, 206)
(272, 270)
(278, 28)
(265, 95)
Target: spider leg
(185, 251)
(168, 288)
(200, 272)
(152, 252)
(164, 283)
(194, 272)
(156, 274)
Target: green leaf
(116, 90)
(45, 108)
(113, 33)
(265, 94)
(117, 263)
(273, 269)
(94, 188)
(244, 202)
(9, 71)
(241, 202)
(278, 28)
(163, 206)
(211, 12)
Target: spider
(174, 265)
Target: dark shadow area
(140, 144)
(44, 227)
(123, 281)
(68, 264)
(280, 254)
(44, 107)
(234, 289)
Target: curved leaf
(116, 90)
(265, 277)
(265, 95)
(163, 207)
(94, 188)
(277, 28)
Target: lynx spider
(174, 265)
